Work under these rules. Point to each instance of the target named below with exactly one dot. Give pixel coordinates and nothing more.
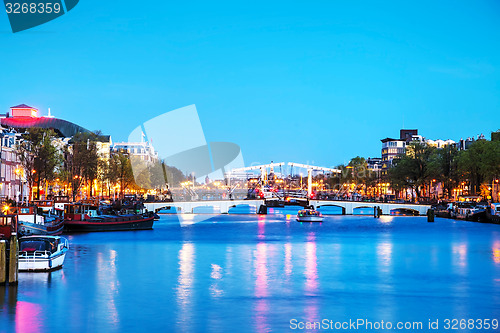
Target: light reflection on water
(496, 251)
(28, 317)
(185, 282)
(254, 273)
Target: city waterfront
(257, 273)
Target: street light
(19, 173)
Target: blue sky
(304, 81)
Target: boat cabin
(495, 209)
(27, 214)
(45, 205)
(80, 212)
(61, 201)
(308, 212)
(8, 226)
(41, 244)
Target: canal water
(250, 273)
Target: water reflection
(216, 274)
(185, 283)
(386, 219)
(496, 252)
(28, 317)
(384, 254)
(8, 301)
(311, 284)
(108, 286)
(261, 287)
(261, 226)
(251, 274)
(311, 266)
(288, 259)
(459, 257)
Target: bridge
(348, 207)
(223, 206)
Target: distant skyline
(317, 83)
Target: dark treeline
(79, 167)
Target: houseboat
(42, 253)
(85, 217)
(38, 221)
(469, 211)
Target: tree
(412, 170)
(38, 157)
(443, 166)
(82, 161)
(479, 163)
(121, 170)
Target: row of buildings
(392, 147)
(21, 117)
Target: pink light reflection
(28, 317)
(460, 255)
(261, 270)
(288, 259)
(311, 268)
(496, 252)
(311, 284)
(261, 288)
(261, 225)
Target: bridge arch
(358, 210)
(405, 211)
(206, 209)
(171, 208)
(252, 208)
(332, 205)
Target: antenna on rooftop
(49, 116)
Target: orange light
(6, 208)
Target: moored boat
(85, 217)
(42, 253)
(309, 215)
(469, 211)
(493, 212)
(38, 221)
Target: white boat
(309, 215)
(42, 253)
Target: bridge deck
(224, 205)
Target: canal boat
(493, 213)
(38, 221)
(86, 217)
(443, 209)
(309, 215)
(469, 211)
(42, 253)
